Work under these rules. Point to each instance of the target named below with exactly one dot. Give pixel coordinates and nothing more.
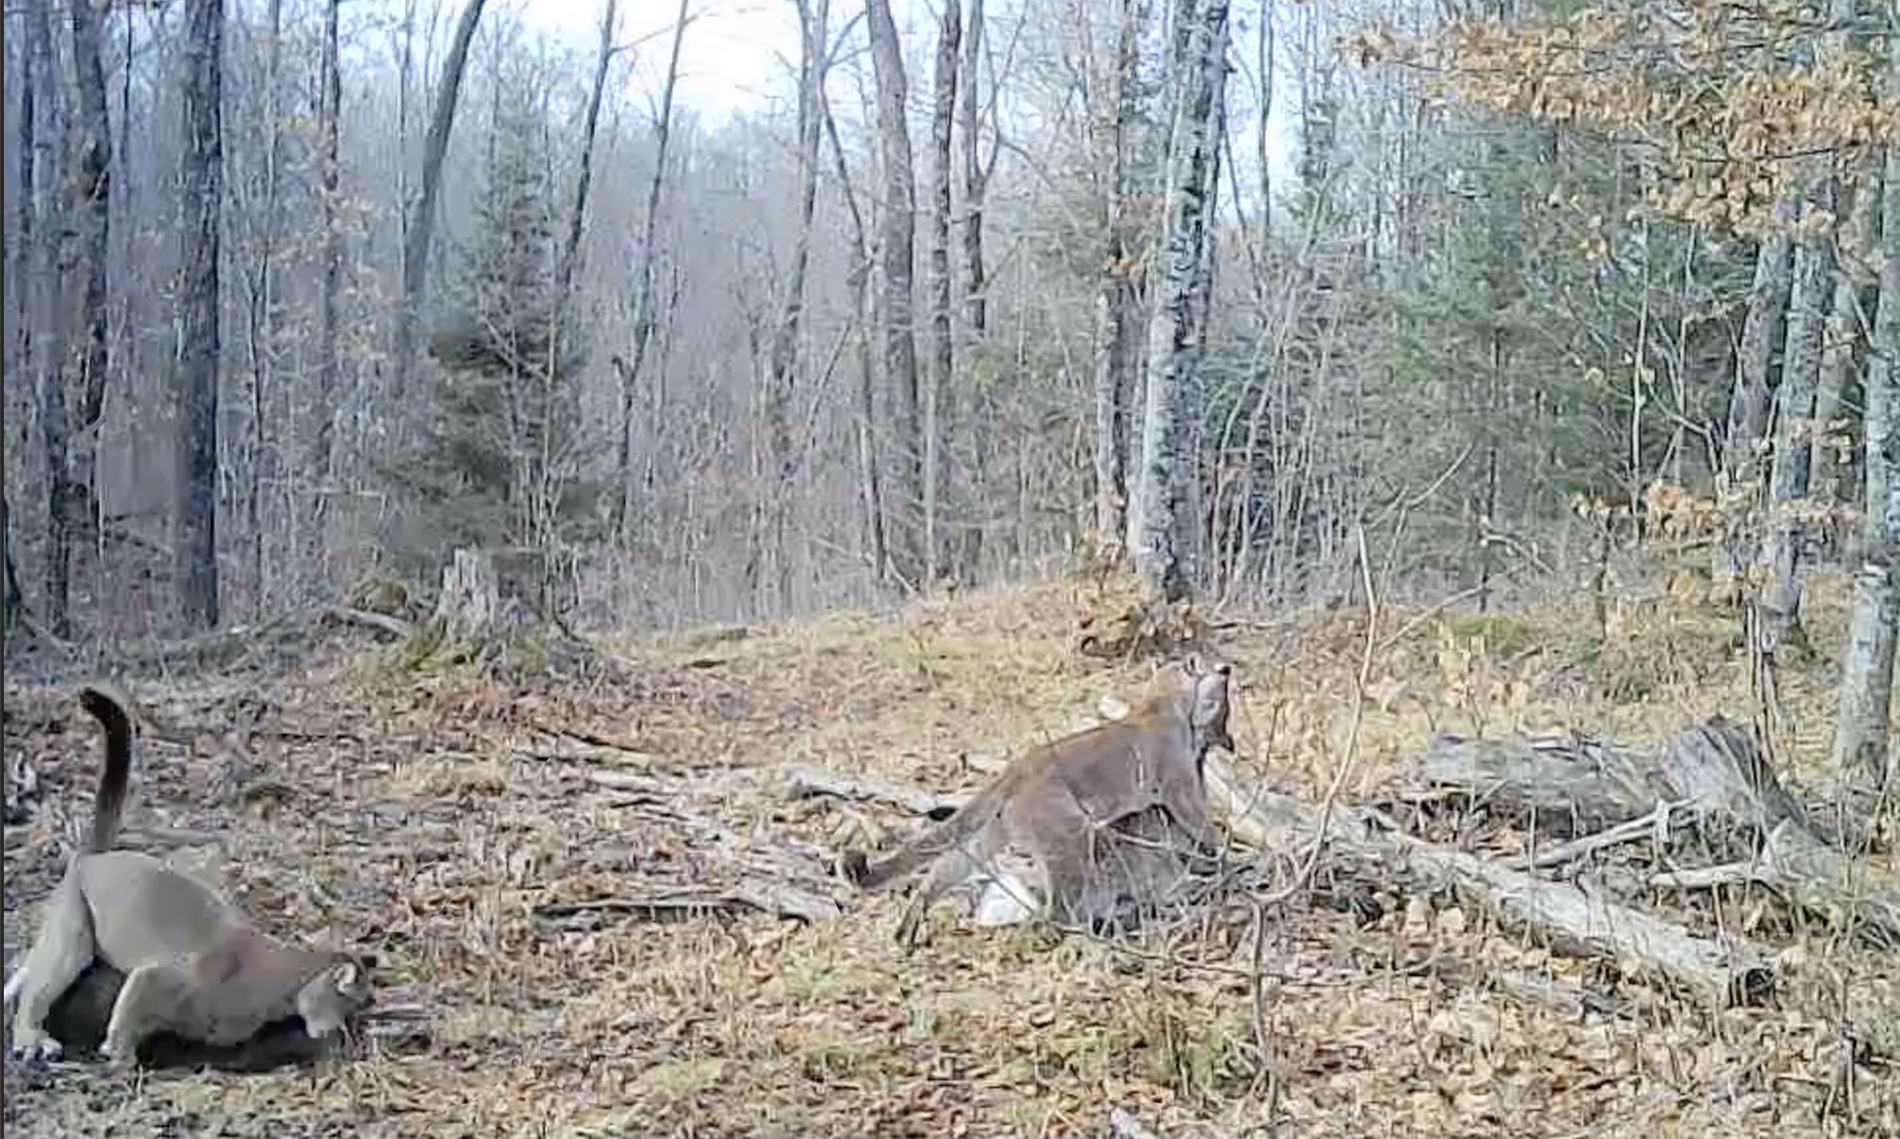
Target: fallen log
(1720, 770)
(1575, 920)
(1569, 784)
(1712, 777)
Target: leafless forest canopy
(1252, 298)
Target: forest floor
(554, 876)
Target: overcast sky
(736, 53)
(731, 57)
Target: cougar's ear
(1212, 696)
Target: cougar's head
(1200, 690)
(334, 997)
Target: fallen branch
(1705, 877)
(1566, 998)
(154, 837)
(410, 1011)
(1809, 873)
(807, 783)
(1586, 923)
(634, 781)
(786, 901)
(382, 623)
(221, 649)
(1655, 823)
(580, 735)
(773, 898)
(1527, 987)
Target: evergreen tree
(501, 462)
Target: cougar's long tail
(108, 704)
(973, 816)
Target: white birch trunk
(1863, 736)
(1156, 531)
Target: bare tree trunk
(329, 366)
(263, 306)
(1161, 539)
(1115, 302)
(976, 179)
(51, 258)
(858, 280)
(1767, 300)
(644, 320)
(1265, 57)
(201, 189)
(23, 271)
(1748, 410)
(898, 311)
(1191, 381)
(937, 430)
(781, 462)
(1794, 424)
(973, 403)
(415, 253)
(404, 83)
(1843, 332)
(576, 219)
(91, 233)
(1863, 737)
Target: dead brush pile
(602, 913)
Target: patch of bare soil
(601, 913)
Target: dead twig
(581, 735)
(382, 623)
(775, 898)
(1655, 823)
(807, 783)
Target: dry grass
(430, 815)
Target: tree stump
(491, 611)
(470, 604)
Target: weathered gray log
(1711, 776)
(1720, 770)
(1570, 784)
(1582, 785)
(1721, 973)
